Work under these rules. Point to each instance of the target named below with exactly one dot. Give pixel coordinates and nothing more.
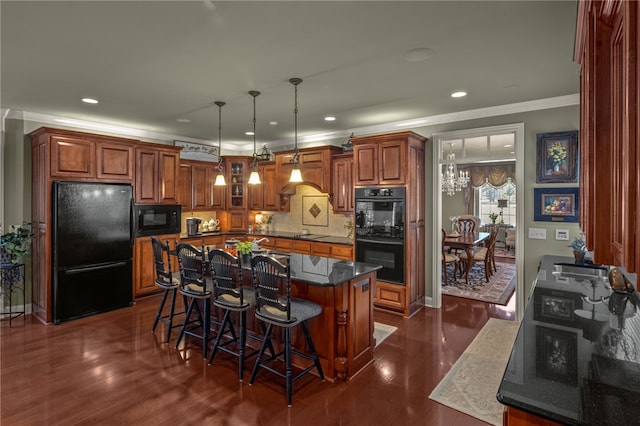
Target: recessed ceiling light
(273, 123)
(329, 118)
(183, 120)
(418, 55)
(459, 94)
(248, 133)
(89, 101)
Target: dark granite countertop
(332, 239)
(576, 358)
(324, 271)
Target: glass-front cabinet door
(237, 183)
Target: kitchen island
(576, 358)
(343, 333)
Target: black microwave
(157, 219)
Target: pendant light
(254, 177)
(296, 176)
(220, 178)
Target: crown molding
(395, 126)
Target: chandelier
(452, 179)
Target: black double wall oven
(380, 230)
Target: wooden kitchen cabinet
(607, 44)
(342, 183)
(57, 155)
(265, 196)
(115, 161)
(184, 187)
(157, 171)
(73, 157)
(144, 272)
(397, 159)
(381, 159)
(315, 167)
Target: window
(489, 198)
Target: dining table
(467, 241)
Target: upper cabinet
(265, 196)
(342, 183)
(315, 167)
(381, 159)
(196, 186)
(607, 49)
(157, 171)
(237, 173)
(78, 155)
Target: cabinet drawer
(391, 296)
(302, 247)
(342, 252)
(321, 249)
(284, 245)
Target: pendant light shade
(254, 177)
(220, 178)
(296, 176)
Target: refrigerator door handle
(132, 224)
(94, 268)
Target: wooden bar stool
(195, 287)
(169, 282)
(276, 307)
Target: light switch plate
(537, 233)
(562, 234)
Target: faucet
(256, 242)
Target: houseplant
(579, 247)
(493, 216)
(14, 245)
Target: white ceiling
(150, 63)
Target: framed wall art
(557, 157)
(555, 204)
(196, 151)
(556, 355)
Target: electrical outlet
(537, 233)
(562, 234)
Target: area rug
(382, 331)
(503, 252)
(472, 383)
(498, 290)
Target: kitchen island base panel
(342, 333)
(514, 417)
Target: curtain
(496, 175)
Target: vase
(556, 168)
(579, 256)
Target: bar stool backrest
(162, 262)
(226, 273)
(193, 268)
(272, 282)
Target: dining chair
(483, 254)
(276, 308)
(466, 225)
(448, 258)
(195, 287)
(231, 296)
(169, 282)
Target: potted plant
(493, 216)
(579, 247)
(14, 245)
(244, 249)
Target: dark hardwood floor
(110, 369)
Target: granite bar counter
(333, 239)
(576, 358)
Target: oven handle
(381, 199)
(389, 243)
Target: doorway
(476, 147)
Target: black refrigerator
(92, 248)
